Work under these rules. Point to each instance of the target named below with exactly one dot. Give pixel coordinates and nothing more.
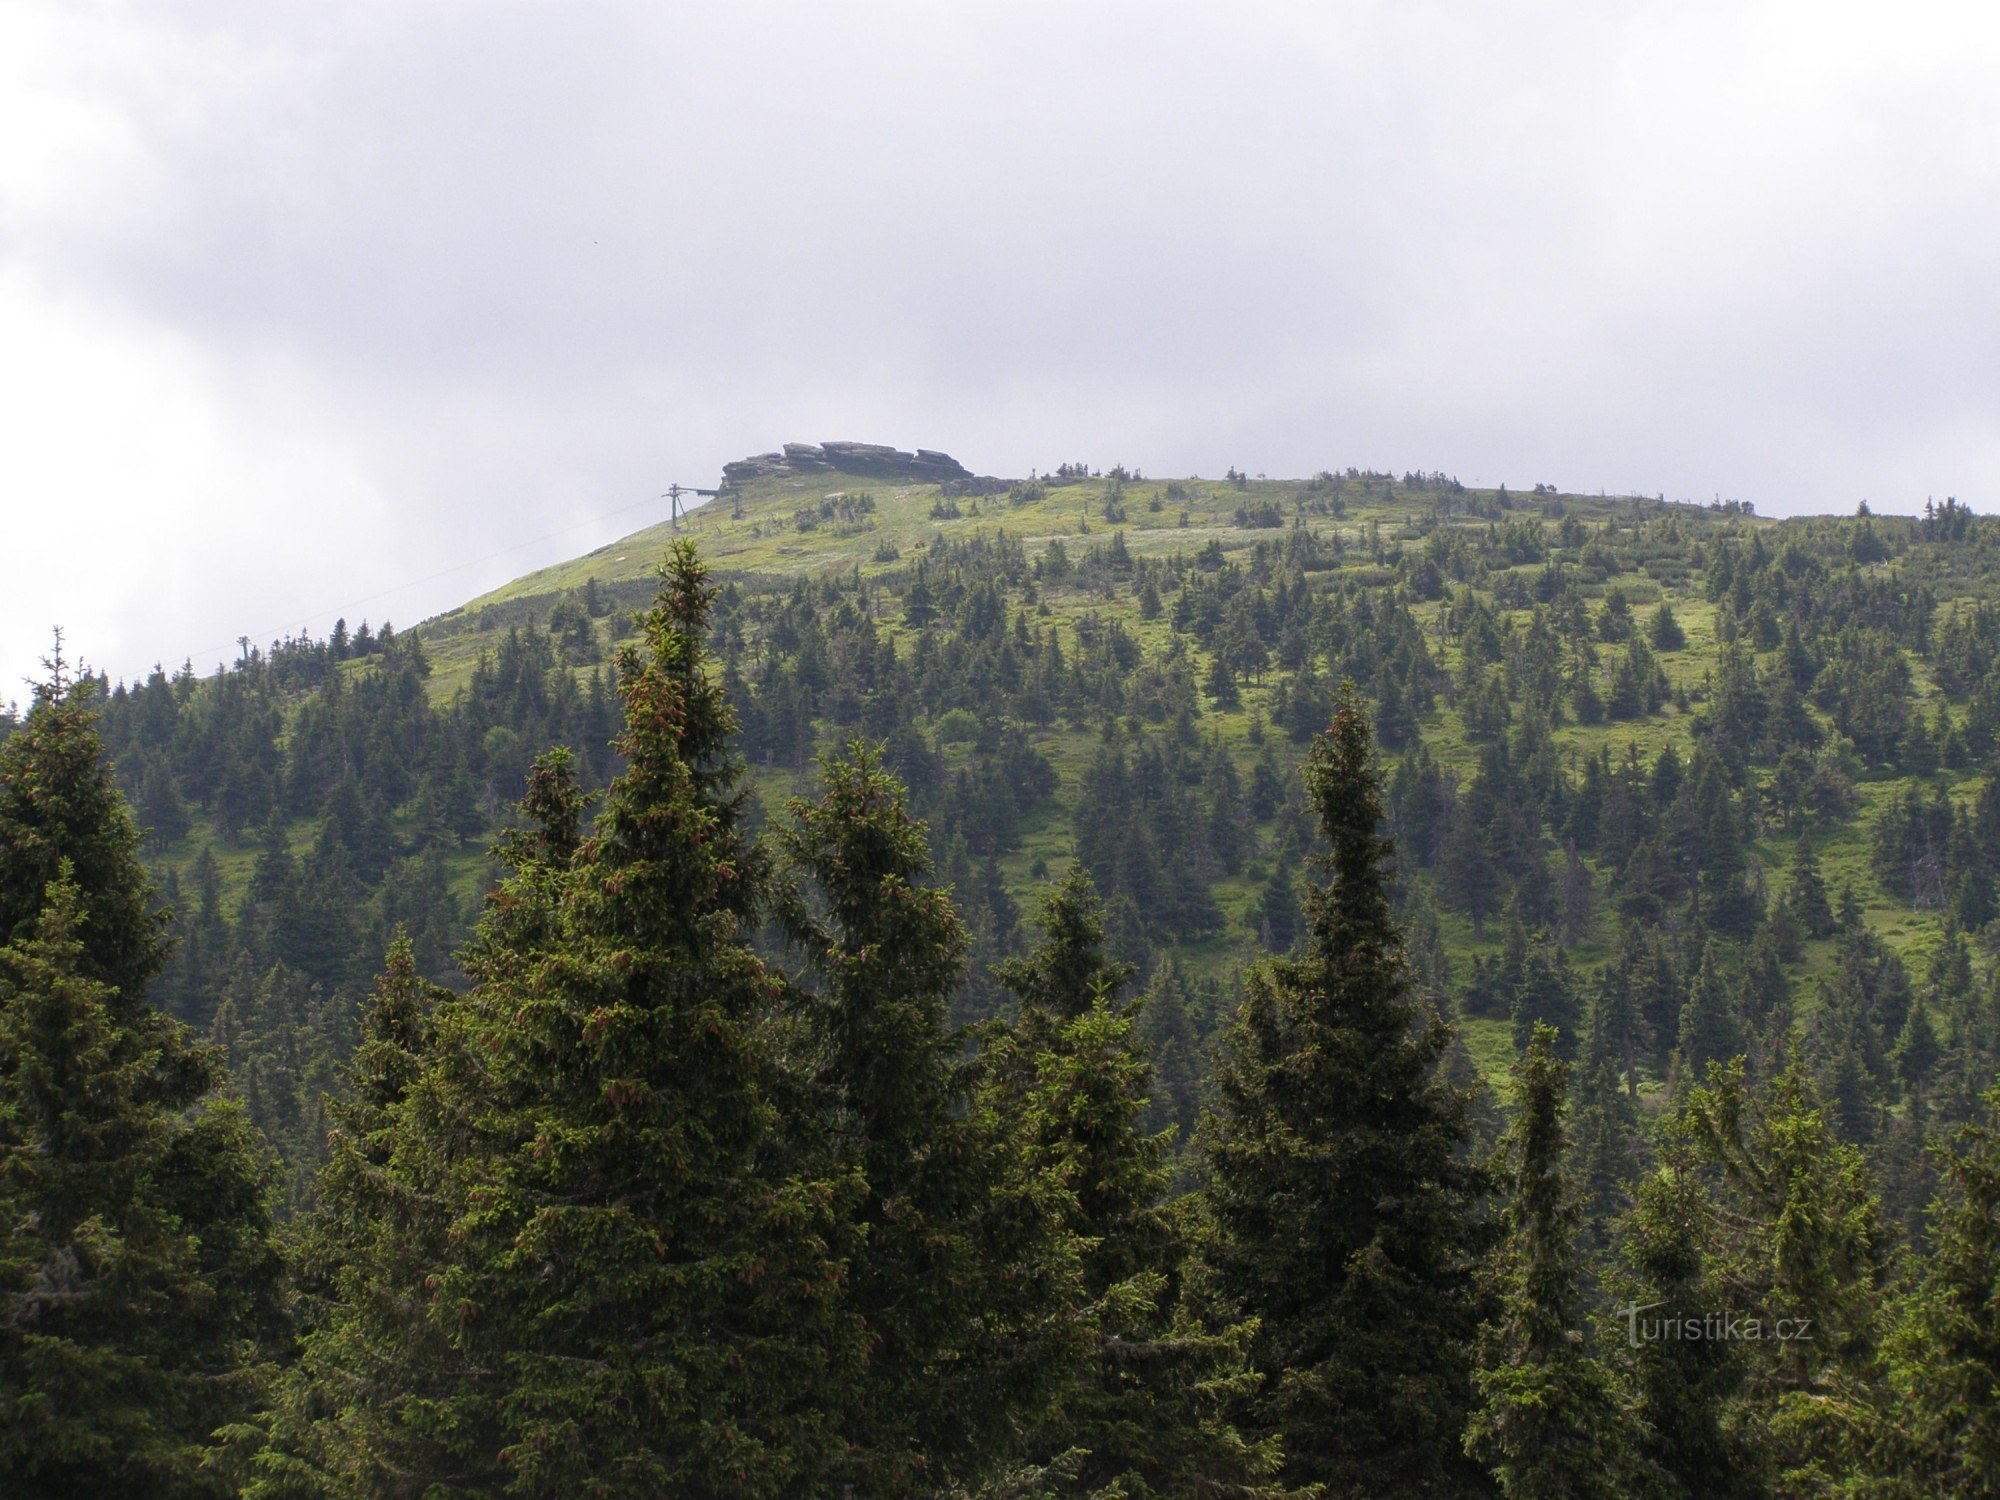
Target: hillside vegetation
(1595, 712)
(1158, 953)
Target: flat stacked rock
(870, 460)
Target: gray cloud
(304, 301)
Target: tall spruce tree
(60, 805)
(1342, 1215)
(1545, 992)
(369, 1358)
(138, 1275)
(964, 1280)
(1150, 1406)
(1550, 1421)
(640, 1271)
(386, 1398)
(1169, 1023)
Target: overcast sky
(303, 303)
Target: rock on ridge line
(871, 460)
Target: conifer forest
(1088, 985)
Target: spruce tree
(641, 1270)
(387, 1397)
(1709, 1029)
(1605, 1142)
(59, 804)
(1907, 1168)
(1945, 1349)
(1149, 1409)
(1546, 994)
(369, 1361)
(1550, 1422)
(1341, 1213)
(1467, 873)
(1618, 1016)
(1798, 1234)
(1807, 896)
(1664, 630)
(1275, 918)
(138, 1277)
(964, 1280)
(1724, 897)
(1171, 1029)
(1686, 1387)
(1220, 684)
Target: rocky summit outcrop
(870, 460)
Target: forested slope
(1618, 732)
(1688, 837)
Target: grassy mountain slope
(780, 531)
(1125, 671)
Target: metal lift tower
(674, 493)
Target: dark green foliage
(1864, 687)
(1067, 973)
(1707, 830)
(1710, 1029)
(638, 1285)
(1221, 684)
(1149, 1409)
(1806, 899)
(315, 797)
(962, 1280)
(1945, 1349)
(1906, 1168)
(1910, 847)
(1276, 916)
(1550, 1420)
(59, 805)
(1176, 1016)
(1469, 878)
(1638, 686)
(1664, 631)
(572, 632)
(137, 1272)
(1545, 994)
(1342, 1213)
(1796, 1232)
(339, 1425)
(1139, 839)
(1686, 1387)
(1606, 1146)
